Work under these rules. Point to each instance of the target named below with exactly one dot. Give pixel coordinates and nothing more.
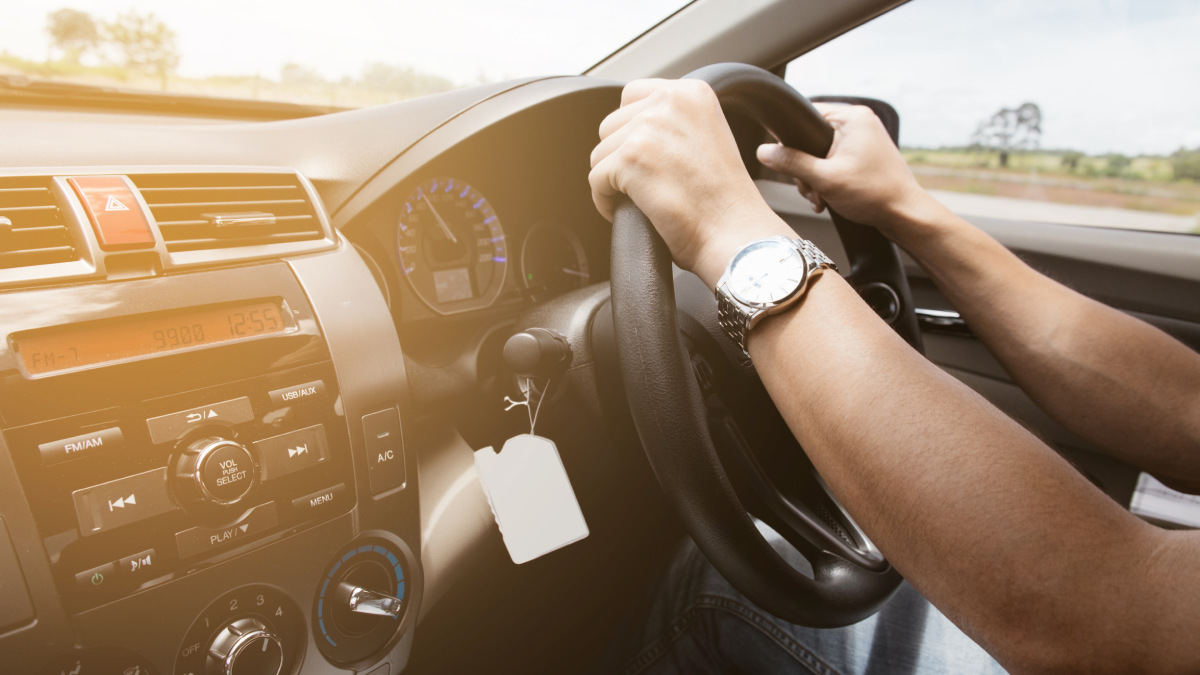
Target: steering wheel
(850, 578)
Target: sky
(458, 39)
(1109, 75)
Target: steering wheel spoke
(802, 510)
(799, 507)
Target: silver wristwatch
(765, 277)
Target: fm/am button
(81, 446)
(385, 450)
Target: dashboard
(244, 368)
(216, 455)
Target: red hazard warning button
(116, 215)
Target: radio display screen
(109, 341)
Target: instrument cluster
(457, 251)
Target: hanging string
(541, 399)
(526, 386)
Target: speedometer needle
(577, 273)
(441, 223)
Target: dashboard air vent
(32, 231)
(202, 211)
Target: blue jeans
(694, 622)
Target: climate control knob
(215, 471)
(245, 647)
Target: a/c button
(385, 450)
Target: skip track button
(294, 451)
(122, 501)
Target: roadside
(1010, 208)
(1037, 186)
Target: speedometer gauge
(451, 246)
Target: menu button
(321, 499)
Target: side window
(1062, 112)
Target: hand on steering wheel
(671, 152)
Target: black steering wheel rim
(666, 402)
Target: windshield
(351, 53)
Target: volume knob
(245, 647)
(214, 470)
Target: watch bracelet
(734, 318)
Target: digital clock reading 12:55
(71, 347)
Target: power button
(96, 578)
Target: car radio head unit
(159, 434)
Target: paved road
(1009, 208)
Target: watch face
(766, 272)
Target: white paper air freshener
(531, 497)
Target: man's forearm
(1117, 382)
(997, 530)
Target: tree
(72, 32)
(1010, 129)
(146, 45)
(1071, 160)
(1116, 164)
(1185, 164)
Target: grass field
(1139, 184)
